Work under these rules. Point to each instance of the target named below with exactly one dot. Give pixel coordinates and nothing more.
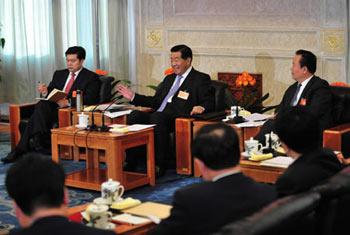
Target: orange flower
(245, 79)
(168, 71)
(101, 72)
(339, 84)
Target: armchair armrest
(18, 112)
(338, 139)
(183, 136)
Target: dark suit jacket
(316, 97)
(86, 81)
(59, 225)
(307, 171)
(197, 84)
(205, 207)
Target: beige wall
(258, 36)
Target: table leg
(114, 161)
(150, 159)
(54, 148)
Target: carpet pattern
(162, 192)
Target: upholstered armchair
(20, 113)
(184, 127)
(338, 137)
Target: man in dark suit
(226, 196)
(183, 93)
(37, 134)
(36, 184)
(300, 135)
(309, 91)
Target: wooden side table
(114, 146)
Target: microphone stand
(105, 128)
(238, 119)
(93, 126)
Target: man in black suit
(37, 134)
(36, 184)
(226, 196)
(185, 92)
(300, 135)
(309, 91)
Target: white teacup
(252, 146)
(234, 110)
(111, 191)
(275, 142)
(99, 216)
(83, 120)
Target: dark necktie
(295, 97)
(171, 92)
(70, 83)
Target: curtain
(348, 41)
(38, 32)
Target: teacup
(111, 191)
(275, 142)
(99, 216)
(235, 110)
(83, 120)
(252, 146)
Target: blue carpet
(162, 192)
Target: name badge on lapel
(183, 95)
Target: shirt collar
(304, 83)
(77, 72)
(227, 173)
(185, 74)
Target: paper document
(130, 219)
(162, 211)
(250, 124)
(117, 114)
(280, 161)
(102, 107)
(256, 117)
(139, 127)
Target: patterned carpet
(162, 192)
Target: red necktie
(70, 83)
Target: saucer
(80, 127)
(245, 155)
(100, 201)
(109, 226)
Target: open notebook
(280, 161)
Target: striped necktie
(171, 92)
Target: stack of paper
(280, 161)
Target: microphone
(93, 126)
(105, 128)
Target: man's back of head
(298, 129)
(217, 146)
(35, 182)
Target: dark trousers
(164, 125)
(45, 115)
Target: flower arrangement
(101, 72)
(343, 84)
(246, 81)
(168, 71)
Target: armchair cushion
(341, 104)
(106, 89)
(282, 216)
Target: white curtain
(38, 32)
(348, 41)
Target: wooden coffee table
(114, 146)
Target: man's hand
(63, 103)
(125, 91)
(42, 88)
(197, 110)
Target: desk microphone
(93, 126)
(105, 128)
